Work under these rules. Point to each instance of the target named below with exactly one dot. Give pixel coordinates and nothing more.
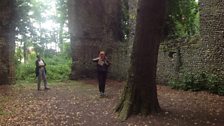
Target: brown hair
(102, 53)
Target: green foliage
(176, 84)
(34, 38)
(58, 72)
(58, 69)
(31, 29)
(199, 82)
(25, 72)
(182, 18)
(215, 84)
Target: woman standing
(41, 72)
(102, 69)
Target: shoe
(47, 88)
(101, 94)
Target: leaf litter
(78, 104)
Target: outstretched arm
(95, 59)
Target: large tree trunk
(140, 93)
(7, 41)
(94, 25)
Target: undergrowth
(199, 82)
(58, 69)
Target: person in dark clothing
(102, 68)
(41, 72)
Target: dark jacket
(37, 67)
(102, 67)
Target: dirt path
(78, 103)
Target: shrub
(58, 68)
(25, 72)
(175, 84)
(215, 85)
(199, 82)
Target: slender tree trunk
(62, 10)
(25, 51)
(140, 93)
(61, 44)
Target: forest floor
(75, 103)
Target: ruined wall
(207, 54)
(174, 62)
(212, 33)
(94, 26)
(7, 46)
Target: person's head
(38, 57)
(102, 54)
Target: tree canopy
(42, 27)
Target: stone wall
(212, 33)
(7, 46)
(176, 61)
(207, 54)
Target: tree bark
(140, 93)
(61, 36)
(7, 41)
(25, 51)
